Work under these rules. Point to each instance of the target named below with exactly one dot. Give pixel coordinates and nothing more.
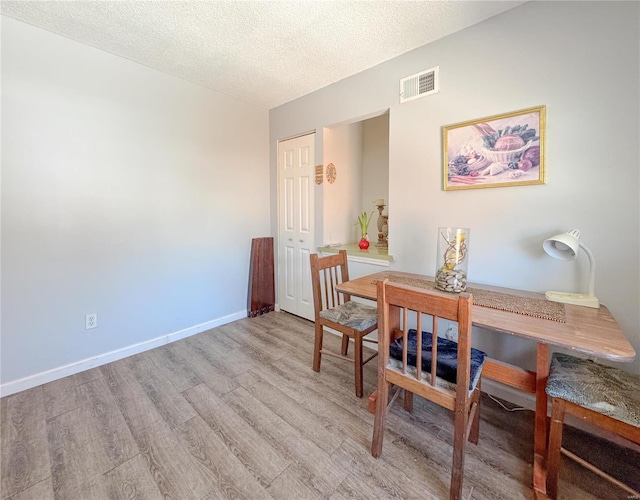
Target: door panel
(290, 272)
(288, 159)
(296, 239)
(305, 208)
(288, 195)
(305, 161)
(306, 293)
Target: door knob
(301, 241)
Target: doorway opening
(359, 153)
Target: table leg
(540, 429)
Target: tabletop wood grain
(590, 331)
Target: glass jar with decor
(451, 259)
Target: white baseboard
(22, 384)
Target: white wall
(375, 167)
(538, 53)
(126, 192)
(342, 199)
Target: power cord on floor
(515, 408)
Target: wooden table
(591, 332)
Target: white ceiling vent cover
(419, 85)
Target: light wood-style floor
(237, 412)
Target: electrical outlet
(90, 321)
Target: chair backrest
(326, 273)
(412, 305)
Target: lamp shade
(563, 246)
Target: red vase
(364, 243)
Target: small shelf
(373, 255)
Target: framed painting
(496, 151)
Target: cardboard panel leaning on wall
(540, 53)
(122, 196)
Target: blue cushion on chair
(600, 388)
(352, 314)
(447, 364)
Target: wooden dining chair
(444, 372)
(604, 396)
(337, 311)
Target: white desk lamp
(565, 247)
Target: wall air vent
(419, 85)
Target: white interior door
(296, 174)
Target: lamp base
(577, 299)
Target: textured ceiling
(263, 52)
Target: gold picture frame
(496, 151)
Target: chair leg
(379, 420)
(345, 344)
(459, 441)
(555, 443)
(474, 434)
(358, 363)
(317, 347)
(408, 400)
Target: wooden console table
(592, 332)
